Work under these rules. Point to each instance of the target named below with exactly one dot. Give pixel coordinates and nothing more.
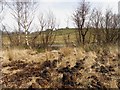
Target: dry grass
(29, 65)
(66, 51)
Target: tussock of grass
(66, 51)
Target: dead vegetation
(62, 69)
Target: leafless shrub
(46, 28)
(80, 19)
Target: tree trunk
(83, 39)
(26, 39)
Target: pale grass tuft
(66, 51)
(10, 55)
(80, 53)
(113, 84)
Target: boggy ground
(64, 68)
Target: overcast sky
(63, 9)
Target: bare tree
(28, 11)
(2, 5)
(23, 13)
(105, 26)
(40, 29)
(96, 22)
(80, 17)
(118, 29)
(108, 21)
(115, 27)
(47, 25)
(111, 24)
(16, 11)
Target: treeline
(105, 26)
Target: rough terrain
(64, 68)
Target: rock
(103, 69)
(65, 69)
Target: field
(78, 67)
(61, 34)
